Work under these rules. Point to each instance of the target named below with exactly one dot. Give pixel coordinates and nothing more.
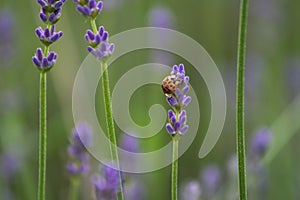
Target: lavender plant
(175, 87)
(100, 47)
(78, 164)
(44, 60)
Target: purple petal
(92, 4)
(186, 101)
(177, 126)
(175, 69)
(58, 4)
(52, 30)
(181, 68)
(170, 128)
(100, 5)
(173, 120)
(171, 114)
(51, 1)
(47, 33)
(186, 79)
(172, 101)
(43, 17)
(50, 56)
(90, 35)
(111, 48)
(184, 129)
(35, 61)
(87, 10)
(101, 30)
(45, 62)
(105, 36)
(54, 38)
(90, 49)
(39, 33)
(42, 3)
(185, 89)
(39, 54)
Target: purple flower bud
(47, 36)
(170, 129)
(211, 177)
(172, 101)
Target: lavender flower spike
(50, 10)
(106, 185)
(261, 142)
(47, 36)
(99, 45)
(42, 62)
(175, 86)
(89, 8)
(79, 158)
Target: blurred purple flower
(107, 184)
(133, 189)
(7, 39)
(161, 16)
(82, 137)
(211, 177)
(260, 142)
(129, 143)
(192, 191)
(10, 164)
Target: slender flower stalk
(50, 13)
(102, 50)
(175, 87)
(240, 132)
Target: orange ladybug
(170, 84)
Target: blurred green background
(272, 89)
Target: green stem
(94, 26)
(74, 188)
(240, 99)
(43, 136)
(175, 168)
(110, 122)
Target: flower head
(177, 124)
(107, 184)
(89, 8)
(81, 137)
(51, 10)
(48, 36)
(98, 43)
(175, 86)
(42, 62)
(211, 177)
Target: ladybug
(170, 84)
